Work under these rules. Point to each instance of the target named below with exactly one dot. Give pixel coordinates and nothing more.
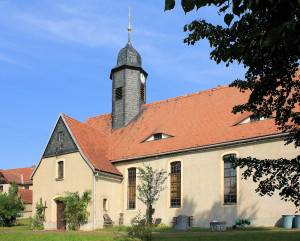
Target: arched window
(105, 204)
(175, 184)
(131, 188)
(230, 190)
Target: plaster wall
(203, 187)
(78, 176)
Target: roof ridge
(185, 96)
(97, 116)
(84, 124)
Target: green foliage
(280, 174)
(10, 206)
(140, 228)
(39, 217)
(75, 212)
(162, 225)
(264, 36)
(151, 184)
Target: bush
(10, 206)
(140, 228)
(162, 225)
(75, 211)
(39, 217)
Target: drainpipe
(94, 200)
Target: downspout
(94, 200)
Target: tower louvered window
(230, 190)
(131, 188)
(119, 93)
(143, 92)
(175, 184)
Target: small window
(105, 204)
(143, 92)
(60, 136)
(157, 136)
(1, 189)
(119, 93)
(175, 184)
(230, 190)
(60, 170)
(26, 187)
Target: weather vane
(129, 28)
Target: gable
(3, 180)
(60, 142)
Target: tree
(151, 184)
(75, 212)
(264, 36)
(10, 206)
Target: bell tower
(128, 85)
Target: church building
(187, 136)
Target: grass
(21, 225)
(274, 236)
(8, 234)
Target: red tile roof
(94, 145)
(195, 120)
(19, 175)
(26, 195)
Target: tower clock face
(143, 79)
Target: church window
(60, 170)
(143, 92)
(230, 189)
(131, 188)
(119, 93)
(175, 184)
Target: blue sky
(56, 56)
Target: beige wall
(78, 176)
(202, 187)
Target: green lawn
(8, 234)
(274, 236)
(21, 225)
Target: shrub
(10, 206)
(140, 228)
(162, 225)
(39, 217)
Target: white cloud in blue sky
(56, 56)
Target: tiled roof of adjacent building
(26, 195)
(18, 175)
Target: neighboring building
(21, 176)
(187, 136)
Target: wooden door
(61, 223)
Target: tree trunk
(149, 213)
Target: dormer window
(158, 136)
(252, 118)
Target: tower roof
(129, 56)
